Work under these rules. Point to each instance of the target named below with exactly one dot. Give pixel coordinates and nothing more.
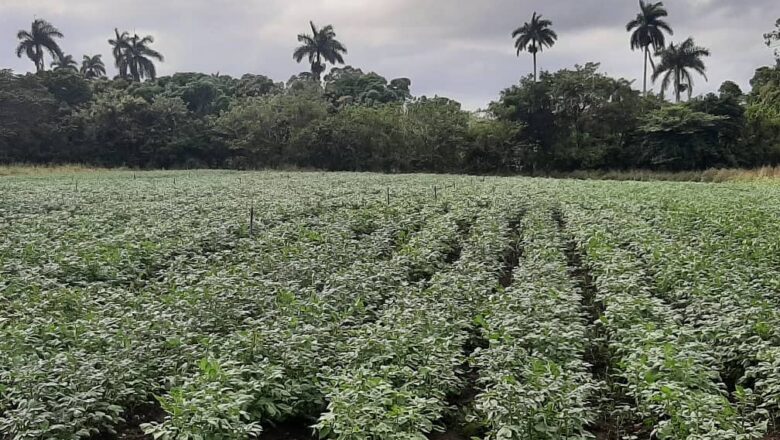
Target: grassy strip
(712, 175)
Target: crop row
(667, 372)
(715, 273)
(401, 371)
(536, 384)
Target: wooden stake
(388, 195)
(435, 196)
(251, 221)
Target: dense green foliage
(571, 119)
(375, 307)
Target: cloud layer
(457, 48)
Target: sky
(461, 49)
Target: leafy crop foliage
(365, 307)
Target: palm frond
(147, 68)
(24, 46)
(665, 83)
(151, 53)
(300, 52)
(665, 26)
(687, 79)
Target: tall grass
(731, 175)
(43, 170)
(714, 175)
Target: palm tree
(320, 45)
(92, 67)
(120, 45)
(674, 65)
(41, 36)
(65, 62)
(133, 55)
(648, 30)
(534, 37)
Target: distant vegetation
(348, 119)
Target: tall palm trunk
(39, 66)
(123, 69)
(677, 85)
(534, 66)
(318, 73)
(134, 71)
(644, 85)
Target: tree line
(348, 119)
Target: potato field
(237, 305)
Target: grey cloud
(456, 48)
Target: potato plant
(221, 305)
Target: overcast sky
(456, 48)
